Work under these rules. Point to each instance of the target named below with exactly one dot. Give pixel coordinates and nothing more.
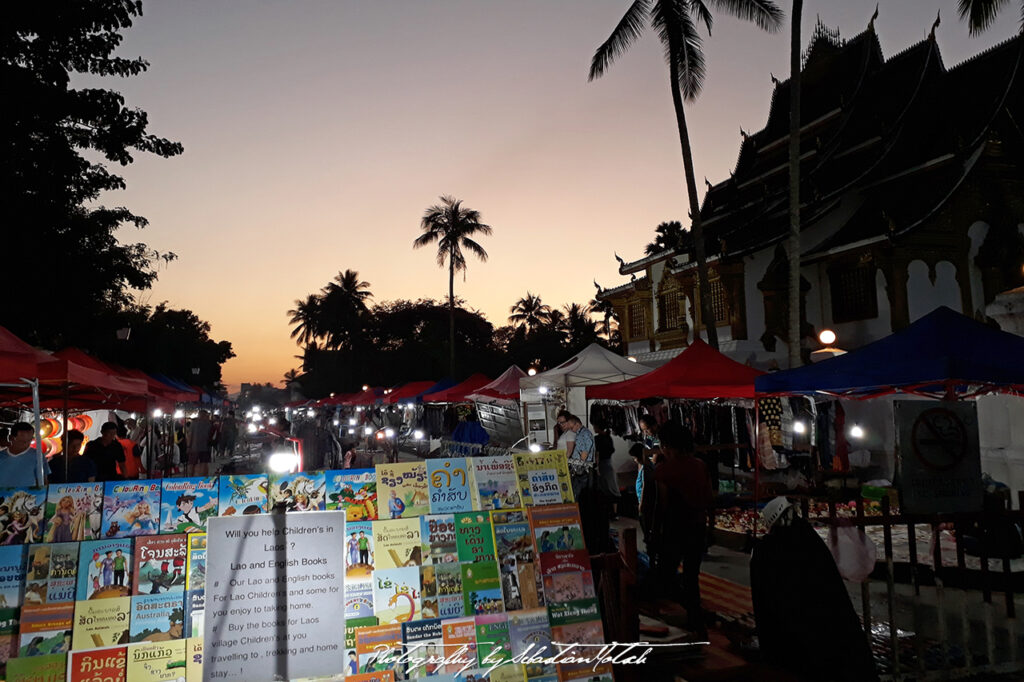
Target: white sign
(274, 596)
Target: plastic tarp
(699, 372)
(505, 387)
(943, 352)
(459, 391)
(591, 366)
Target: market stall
(497, 407)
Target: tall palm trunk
(451, 314)
(706, 309)
(794, 187)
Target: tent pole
(64, 448)
(40, 457)
(757, 457)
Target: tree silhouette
(306, 316)
(668, 236)
(343, 308)
(529, 312)
(980, 14)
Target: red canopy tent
(699, 373)
(18, 360)
(407, 391)
(118, 380)
(367, 397)
(505, 387)
(458, 392)
(337, 399)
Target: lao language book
(558, 538)
(492, 640)
(25, 519)
(396, 595)
(48, 668)
(159, 564)
(354, 491)
(576, 622)
(428, 592)
(60, 586)
(397, 543)
(424, 648)
(437, 534)
(450, 484)
(101, 623)
(157, 617)
(520, 576)
(481, 588)
(359, 551)
(194, 658)
(402, 490)
(157, 661)
(562, 587)
(8, 636)
(474, 536)
(96, 569)
(195, 564)
(37, 574)
(186, 503)
(195, 612)
(45, 629)
(530, 634)
(12, 574)
(372, 641)
(459, 636)
(585, 672)
(359, 600)
(74, 511)
(243, 494)
(450, 603)
(543, 477)
(130, 508)
(98, 664)
(351, 658)
(298, 492)
(496, 484)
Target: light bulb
(856, 431)
(827, 337)
(799, 427)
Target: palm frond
(683, 44)
(764, 14)
(701, 13)
(474, 248)
(625, 34)
(424, 239)
(981, 13)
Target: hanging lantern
(86, 422)
(75, 423)
(52, 446)
(45, 428)
(58, 427)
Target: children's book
(450, 603)
(47, 668)
(157, 617)
(543, 477)
(481, 588)
(359, 600)
(558, 537)
(424, 648)
(517, 559)
(101, 623)
(195, 563)
(428, 592)
(98, 664)
(131, 508)
(22, 515)
(351, 658)
(396, 595)
(298, 492)
(243, 494)
(530, 634)
(459, 636)
(195, 611)
(194, 658)
(37, 574)
(354, 491)
(186, 503)
(377, 645)
(45, 629)
(380, 676)
(159, 564)
(563, 587)
(437, 533)
(403, 490)
(98, 575)
(492, 639)
(12, 575)
(397, 543)
(74, 511)
(157, 661)
(8, 637)
(585, 672)
(496, 484)
(474, 536)
(63, 579)
(359, 554)
(451, 484)
(576, 622)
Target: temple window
(854, 296)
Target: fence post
(890, 586)
(865, 587)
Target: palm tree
(291, 376)
(343, 307)
(580, 330)
(667, 237)
(529, 312)
(794, 186)
(606, 311)
(675, 22)
(306, 316)
(981, 13)
(452, 226)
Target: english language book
(157, 617)
(496, 484)
(159, 564)
(74, 512)
(520, 577)
(12, 574)
(397, 543)
(96, 569)
(396, 595)
(450, 603)
(60, 586)
(359, 600)
(242, 494)
(45, 629)
(530, 635)
(298, 492)
(355, 492)
(186, 503)
(474, 536)
(481, 588)
(424, 648)
(23, 520)
(492, 639)
(101, 623)
(130, 508)
(459, 637)
(371, 642)
(109, 665)
(351, 657)
(359, 551)
(46, 668)
(450, 484)
(195, 563)
(162, 661)
(403, 490)
(543, 477)
(437, 533)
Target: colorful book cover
(562, 587)
(351, 658)
(576, 622)
(243, 494)
(22, 515)
(569, 561)
(496, 484)
(585, 672)
(63, 578)
(372, 642)
(543, 477)
(359, 600)
(12, 575)
(8, 637)
(520, 576)
(157, 661)
(186, 503)
(530, 634)
(459, 636)
(130, 508)
(380, 676)
(397, 543)
(359, 557)
(437, 533)
(558, 539)
(403, 489)
(396, 595)
(195, 563)
(47, 668)
(109, 665)
(298, 492)
(355, 491)
(194, 658)
(424, 648)
(450, 603)
(428, 591)
(74, 512)
(45, 629)
(450, 484)
(492, 639)
(474, 536)
(195, 612)
(159, 564)
(97, 577)
(481, 588)
(37, 574)
(101, 622)
(157, 617)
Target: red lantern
(86, 422)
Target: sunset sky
(316, 133)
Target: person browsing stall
(106, 453)
(19, 463)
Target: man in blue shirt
(19, 464)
